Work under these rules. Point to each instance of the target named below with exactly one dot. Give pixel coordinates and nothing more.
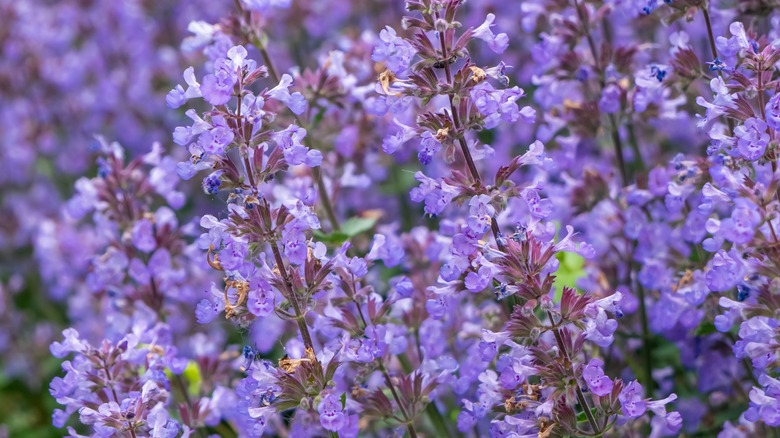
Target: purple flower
(609, 102)
(264, 5)
(436, 194)
(403, 286)
(217, 87)
(752, 138)
(332, 414)
(295, 152)
(724, 272)
(143, 236)
(295, 101)
(480, 214)
(478, 281)
(594, 377)
(631, 400)
(497, 43)
(389, 249)
(260, 299)
(599, 328)
(773, 112)
(394, 51)
(741, 226)
(428, 147)
(212, 182)
(497, 105)
(178, 95)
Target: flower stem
(462, 141)
(316, 171)
(647, 353)
(583, 402)
(612, 121)
(391, 386)
(299, 316)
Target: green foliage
(571, 269)
(351, 228)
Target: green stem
(581, 400)
(647, 353)
(316, 171)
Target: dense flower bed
(423, 218)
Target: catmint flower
(260, 300)
(594, 377)
(752, 138)
(491, 341)
(295, 101)
(724, 273)
(599, 328)
(436, 194)
(392, 143)
(765, 403)
(741, 226)
(295, 152)
(428, 147)
(332, 414)
(481, 213)
(264, 5)
(143, 236)
(394, 51)
(498, 105)
(631, 400)
(403, 286)
(668, 423)
(772, 110)
(217, 87)
(478, 281)
(178, 96)
(208, 308)
(497, 43)
(609, 102)
(386, 248)
(212, 183)
(215, 140)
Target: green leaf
(570, 270)
(343, 400)
(705, 328)
(352, 227)
(581, 417)
(193, 376)
(357, 225)
(335, 238)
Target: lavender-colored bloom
(295, 101)
(724, 273)
(497, 43)
(477, 281)
(260, 300)
(143, 236)
(264, 5)
(610, 99)
(295, 152)
(594, 377)
(428, 147)
(772, 110)
(752, 138)
(217, 87)
(480, 214)
(394, 51)
(332, 414)
(178, 96)
(631, 400)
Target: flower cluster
(427, 218)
